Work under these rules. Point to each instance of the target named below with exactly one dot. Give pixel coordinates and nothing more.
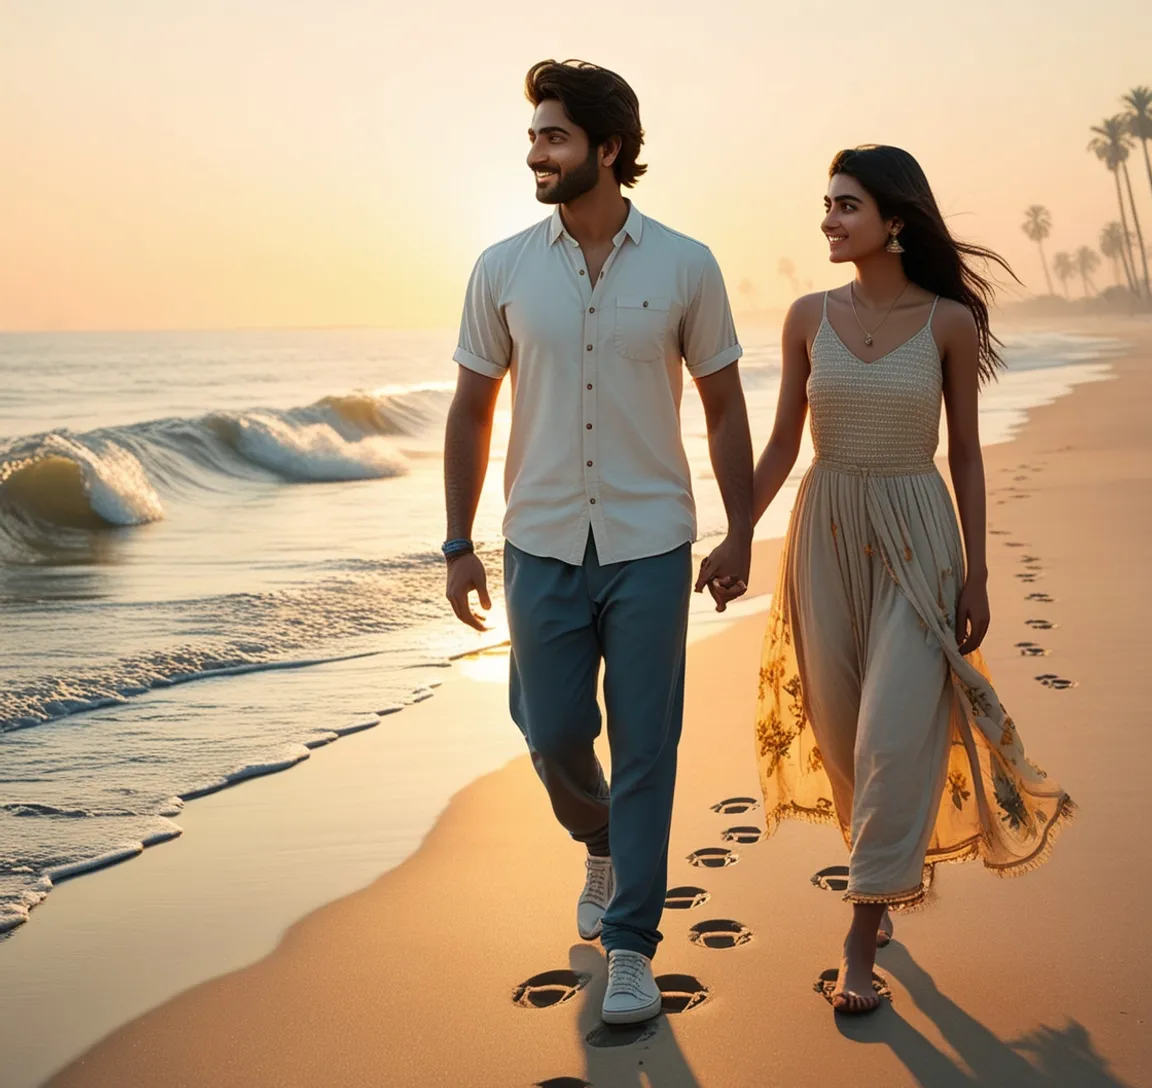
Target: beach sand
(1033, 981)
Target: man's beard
(574, 184)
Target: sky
(234, 163)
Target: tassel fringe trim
(922, 896)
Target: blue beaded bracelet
(459, 546)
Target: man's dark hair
(597, 100)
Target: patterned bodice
(882, 416)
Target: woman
(876, 713)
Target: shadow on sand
(1045, 1058)
(644, 1056)
(648, 1056)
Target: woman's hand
(973, 615)
(725, 571)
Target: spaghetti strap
(931, 313)
(824, 316)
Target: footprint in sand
(609, 1035)
(720, 933)
(1015, 544)
(998, 532)
(1051, 680)
(548, 989)
(1030, 649)
(747, 836)
(563, 1082)
(686, 898)
(826, 984)
(713, 857)
(681, 992)
(733, 806)
(1043, 598)
(832, 879)
(1040, 625)
(1026, 578)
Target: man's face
(566, 167)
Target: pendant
(868, 339)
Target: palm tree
(1087, 261)
(1111, 146)
(1112, 246)
(787, 269)
(747, 290)
(1065, 269)
(1038, 225)
(1139, 103)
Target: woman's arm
(956, 330)
(792, 406)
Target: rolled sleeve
(709, 333)
(485, 344)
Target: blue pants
(564, 620)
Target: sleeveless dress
(869, 718)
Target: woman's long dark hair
(932, 258)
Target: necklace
(868, 336)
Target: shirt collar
(633, 226)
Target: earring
(894, 245)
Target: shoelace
(627, 972)
(596, 885)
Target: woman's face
(852, 221)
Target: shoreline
(465, 692)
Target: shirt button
(589, 347)
(591, 309)
(581, 271)
(587, 426)
(589, 385)
(592, 501)
(588, 463)
(645, 304)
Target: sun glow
(243, 165)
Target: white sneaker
(632, 994)
(599, 887)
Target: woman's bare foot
(854, 994)
(884, 933)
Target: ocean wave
(308, 452)
(270, 630)
(33, 808)
(52, 697)
(79, 485)
(59, 488)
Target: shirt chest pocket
(642, 326)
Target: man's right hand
(465, 574)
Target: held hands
(973, 615)
(725, 571)
(465, 574)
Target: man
(592, 312)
